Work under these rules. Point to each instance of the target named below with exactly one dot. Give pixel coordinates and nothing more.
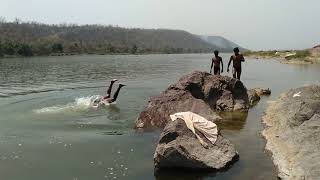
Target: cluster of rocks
(293, 133)
(203, 94)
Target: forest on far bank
(20, 38)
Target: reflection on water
(234, 121)
(182, 174)
(45, 119)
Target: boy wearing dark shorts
(236, 59)
(216, 62)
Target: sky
(254, 24)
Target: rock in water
(179, 148)
(293, 133)
(255, 95)
(198, 92)
(262, 92)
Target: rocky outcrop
(255, 94)
(198, 92)
(179, 148)
(293, 133)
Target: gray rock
(179, 148)
(254, 98)
(262, 92)
(255, 95)
(198, 92)
(293, 133)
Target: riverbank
(309, 56)
(293, 132)
(84, 54)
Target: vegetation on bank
(261, 53)
(293, 56)
(31, 38)
(299, 55)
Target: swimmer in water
(115, 96)
(108, 95)
(107, 98)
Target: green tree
(134, 49)
(9, 48)
(57, 48)
(1, 53)
(42, 48)
(125, 49)
(110, 48)
(25, 50)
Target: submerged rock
(198, 92)
(179, 148)
(293, 133)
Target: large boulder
(198, 92)
(293, 133)
(179, 148)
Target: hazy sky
(255, 24)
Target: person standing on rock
(216, 62)
(237, 59)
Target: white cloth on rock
(195, 121)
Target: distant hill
(31, 38)
(41, 39)
(222, 43)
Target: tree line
(32, 38)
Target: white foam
(80, 104)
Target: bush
(57, 48)
(9, 48)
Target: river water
(49, 131)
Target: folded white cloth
(195, 121)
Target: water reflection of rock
(234, 121)
(182, 174)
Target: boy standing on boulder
(216, 61)
(237, 59)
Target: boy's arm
(221, 65)
(242, 58)
(211, 66)
(231, 58)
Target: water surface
(48, 130)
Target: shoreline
(101, 54)
(286, 57)
(284, 60)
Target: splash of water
(80, 104)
